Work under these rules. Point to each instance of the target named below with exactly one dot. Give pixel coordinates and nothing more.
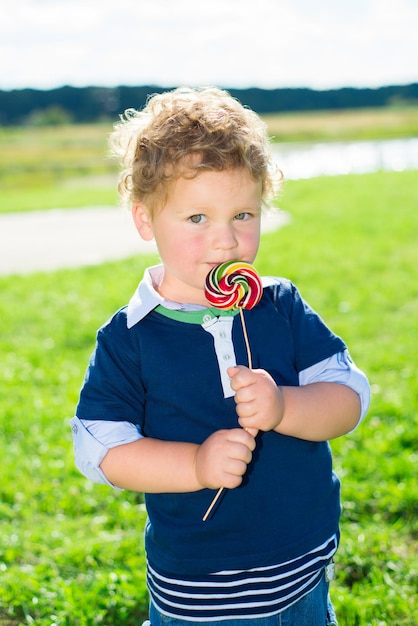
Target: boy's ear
(142, 221)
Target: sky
(321, 44)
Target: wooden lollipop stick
(250, 365)
(212, 504)
(247, 343)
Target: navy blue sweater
(163, 375)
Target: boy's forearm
(319, 411)
(152, 466)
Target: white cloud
(267, 43)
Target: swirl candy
(233, 285)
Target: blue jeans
(314, 609)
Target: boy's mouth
(214, 264)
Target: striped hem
(258, 592)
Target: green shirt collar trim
(201, 316)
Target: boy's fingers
(252, 431)
(240, 376)
(243, 436)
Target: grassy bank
(71, 552)
(345, 125)
(55, 167)
(68, 166)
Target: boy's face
(206, 220)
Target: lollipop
(233, 285)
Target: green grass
(345, 125)
(71, 552)
(56, 167)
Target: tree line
(91, 104)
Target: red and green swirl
(233, 285)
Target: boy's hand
(259, 400)
(221, 460)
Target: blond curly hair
(182, 133)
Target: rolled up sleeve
(93, 439)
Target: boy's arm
(318, 411)
(315, 412)
(332, 398)
(155, 466)
(116, 453)
(152, 466)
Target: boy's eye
(242, 216)
(197, 219)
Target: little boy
(169, 407)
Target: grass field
(71, 552)
(354, 124)
(55, 167)
(68, 166)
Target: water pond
(307, 160)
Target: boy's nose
(225, 238)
